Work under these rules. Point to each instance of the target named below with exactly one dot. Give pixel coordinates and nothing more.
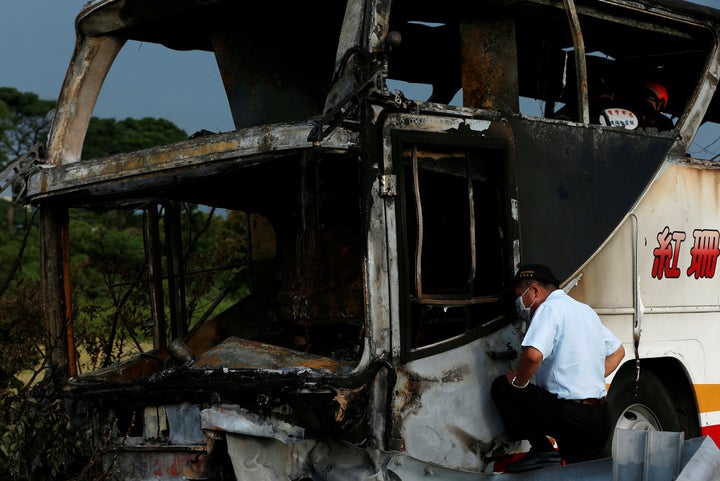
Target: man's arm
(613, 360)
(530, 360)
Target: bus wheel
(650, 408)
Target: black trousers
(532, 413)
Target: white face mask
(523, 312)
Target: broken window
(171, 86)
(148, 274)
(522, 57)
(457, 240)
(621, 57)
(250, 61)
(270, 253)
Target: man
(570, 353)
(653, 99)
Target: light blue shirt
(574, 344)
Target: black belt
(591, 401)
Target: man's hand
(530, 360)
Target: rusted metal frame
(15, 173)
(580, 65)
(382, 282)
(578, 43)
(420, 229)
(360, 64)
(489, 73)
(383, 292)
(91, 61)
(153, 256)
(67, 289)
(377, 23)
(351, 44)
(473, 253)
(191, 158)
(352, 32)
(440, 123)
(693, 116)
(641, 25)
(420, 224)
(438, 301)
(175, 269)
(338, 114)
(55, 288)
(419, 246)
(218, 299)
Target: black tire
(651, 408)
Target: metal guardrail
(663, 456)
(637, 456)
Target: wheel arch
(676, 379)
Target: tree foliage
(111, 307)
(108, 136)
(24, 121)
(37, 438)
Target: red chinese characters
(703, 254)
(666, 254)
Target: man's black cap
(536, 272)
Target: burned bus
(381, 227)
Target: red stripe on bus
(712, 431)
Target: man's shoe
(534, 460)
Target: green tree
(20, 326)
(37, 440)
(24, 122)
(108, 136)
(111, 304)
(109, 262)
(215, 260)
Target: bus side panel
(575, 184)
(678, 291)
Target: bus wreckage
(383, 229)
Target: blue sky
(37, 38)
